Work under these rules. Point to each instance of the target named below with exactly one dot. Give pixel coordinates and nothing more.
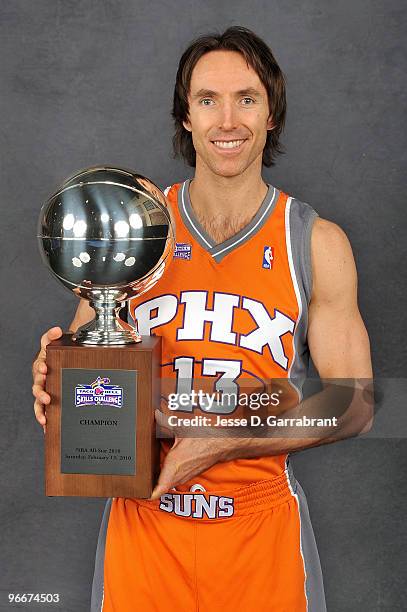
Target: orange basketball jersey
(234, 310)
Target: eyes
(247, 101)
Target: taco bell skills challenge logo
(99, 393)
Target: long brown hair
(257, 55)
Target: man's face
(228, 113)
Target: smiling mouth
(228, 144)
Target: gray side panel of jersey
(302, 217)
(314, 584)
(98, 576)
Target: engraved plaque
(98, 421)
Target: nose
(228, 116)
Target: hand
(39, 371)
(189, 457)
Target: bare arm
(84, 314)
(337, 336)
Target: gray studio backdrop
(90, 81)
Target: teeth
(232, 144)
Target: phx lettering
(197, 505)
(267, 331)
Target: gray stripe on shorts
(98, 576)
(314, 584)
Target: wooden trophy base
(100, 437)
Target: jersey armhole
(306, 262)
(302, 217)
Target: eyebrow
(242, 92)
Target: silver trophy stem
(105, 328)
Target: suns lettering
(226, 507)
(182, 504)
(206, 506)
(267, 332)
(167, 502)
(196, 505)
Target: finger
(38, 378)
(39, 413)
(159, 489)
(167, 479)
(42, 396)
(39, 364)
(42, 367)
(36, 367)
(39, 374)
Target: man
(265, 282)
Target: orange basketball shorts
(240, 551)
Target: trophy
(107, 235)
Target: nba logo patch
(268, 257)
(182, 250)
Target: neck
(229, 196)
(224, 205)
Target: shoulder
(328, 238)
(325, 255)
(323, 234)
(333, 264)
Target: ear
(270, 124)
(187, 126)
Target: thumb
(52, 334)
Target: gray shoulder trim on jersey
(301, 220)
(314, 584)
(96, 603)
